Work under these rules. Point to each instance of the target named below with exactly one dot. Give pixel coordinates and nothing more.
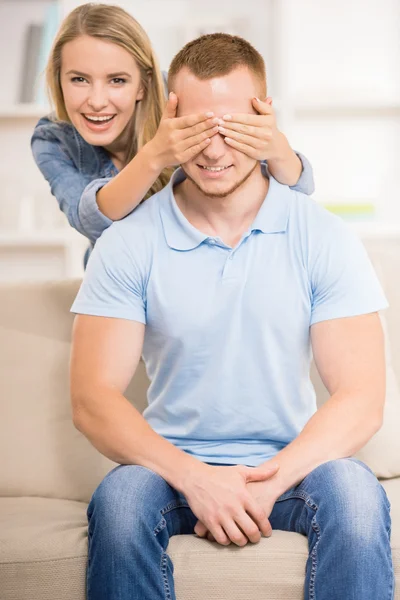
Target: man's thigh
(344, 487)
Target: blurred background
(333, 71)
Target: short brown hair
(217, 54)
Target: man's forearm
(286, 167)
(122, 434)
(338, 429)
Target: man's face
(228, 94)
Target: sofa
(49, 470)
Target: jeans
(340, 506)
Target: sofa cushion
(46, 455)
(382, 452)
(43, 549)
(43, 555)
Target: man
(224, 281)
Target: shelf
(24, 111)
(375, 229)
(308, 110)
(39, 239)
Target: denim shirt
(76, 171)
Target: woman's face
(101, 84)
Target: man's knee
(352, 497)
(126, 498)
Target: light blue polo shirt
(227, 339)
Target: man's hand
(255, 135)
(221, 500)
(264, 492)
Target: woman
(113, 141)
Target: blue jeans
(340, 506)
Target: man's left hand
(255, 135)
(265, 492)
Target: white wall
(333, 70)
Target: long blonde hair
(114, 24)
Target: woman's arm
(293, 169)
(74, 192)
(176, 140)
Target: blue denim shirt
(76, 171)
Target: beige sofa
(48, 470)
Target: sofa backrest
(42, 452)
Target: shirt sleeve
(343, 280)
(305, 184)
(75, 196)
(114, 281)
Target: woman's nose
(97, 98)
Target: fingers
(258, 516)
(248, 150)
(199, 128)
(200, 529)
(196, 144)
(197, 139)
(256, 142)
(171, 106)
(259, 120)
(246, 530)
(260, 473)
(250, 130)
(264, 108)
(191, 120)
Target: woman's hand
(178, 139)
(255, 135)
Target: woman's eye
(78, 79)
(118, 80)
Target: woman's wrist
(153, 158)
(286, 167)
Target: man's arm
(105, 355)
(349, 355)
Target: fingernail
(258, 99)
(221, 129)
(216, 121)
(227, 117)
(209, 114)
(171, 94)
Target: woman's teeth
(99, 119)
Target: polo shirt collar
(180, 234)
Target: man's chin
(217, 189)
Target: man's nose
(98, 98)
(216, 149)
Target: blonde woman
(113, 140)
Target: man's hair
(216, 55)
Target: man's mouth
(214, 169)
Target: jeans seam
(173, 505)
(314, 559)
(164, 558)
(163, 565)
(303, 496)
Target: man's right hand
(220, 500)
